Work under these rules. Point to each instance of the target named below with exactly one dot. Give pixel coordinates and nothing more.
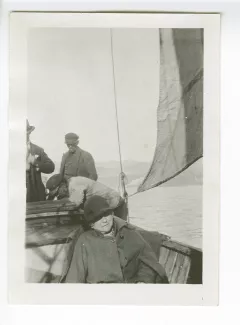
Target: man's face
(72, 146)
(104, 225)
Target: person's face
(72, 147)
(104, 225)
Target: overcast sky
(70, 89)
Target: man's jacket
(125, 258)
(34, 184)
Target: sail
(180, 109)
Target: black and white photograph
(112, 120)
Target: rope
(115, 101)
(122, 174)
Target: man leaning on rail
(79, 189)
(111, 251)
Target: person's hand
(31, 160)
(35, 163)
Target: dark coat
(127, 258)
(34, 184)
(81, 163)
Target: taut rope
(122, 175)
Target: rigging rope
(122, 175)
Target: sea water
(174, 211)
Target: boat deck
(49, 236)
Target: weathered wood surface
(183, 263)
(50, 235)
(41, 276)
(35, 208)
(43, 247)
(47, 251)
(51, 215)
(44, 263)
(179, 247)
(52, 224)
(184, 273)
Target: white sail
(180, 110)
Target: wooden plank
(186, 273)
(177, 267)
(184, 270)
(51, 235)
(180, 247)
(36, 276)
(53, 214)
(163, 256)
(172, 267)
(42, 221)
(49, 259)
(49, 206)
(176, 264)
(169, 264)
(177, 247)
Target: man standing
(37, 162)
(77, 162)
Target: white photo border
(24, 293)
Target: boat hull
(49, 239)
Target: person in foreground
(111, 251)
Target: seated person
(79, 189)
(111, 250)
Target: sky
(70, 89)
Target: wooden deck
(47, 207)
(183, 264)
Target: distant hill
(109, 171)
(193, 175)
(135, 171)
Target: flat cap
(53, 182)
(71, 136)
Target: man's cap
(53, 182)
(30, 128)
(95, 208)
(71, 137)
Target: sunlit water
(175, 211)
